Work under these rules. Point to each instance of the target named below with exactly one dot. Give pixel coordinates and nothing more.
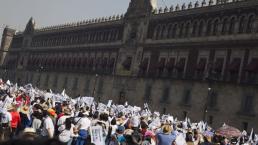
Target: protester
(6, 119)
(16, 120)
(67, 132)
(83, 126)
(48, 126)
(51, 118)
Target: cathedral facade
(198, 60)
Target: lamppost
(209, 79)
(94, 86)
(205, 111)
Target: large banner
(97, 135)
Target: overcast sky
(16, 13)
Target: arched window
(215, 27)
(194, 29)
(250, 23)
(174, 31)
(201, 24)
(241, 24)
(208, 30)
(187, 29)
(232, 25)
(170, 30)
(163, 32)
(181, 31)
(156, 32)
(224, 26)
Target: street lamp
(205, 111)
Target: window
(75, 84)
(186, 97)
(46, 81)
(208, 30)
(156, 32)
(100, 87)
(194, 29)
(181, 64)
(170, 31)
(210, 121)
(162, 33)
(165, 95)
(86, 87)
(215, 27)
(174, 31)
(247, 105)
(65, 83)
(38, 81)
(144, 65)
(181, 30)
(187, 29)
(241, 24)
(127, 63)
(147, 93)
(250, 23)
(212, 99)
(164, 110)
(200, 28)
(161, 65)
(170, 65)
(244, 125)
(31, 78)
(218, 66)
(232, 25)
(55, 81)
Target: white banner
(97, 135)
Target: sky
(16, 13)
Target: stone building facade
(198, 60)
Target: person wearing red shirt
(16, 120)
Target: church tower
(136, 23)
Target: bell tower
(136, 23)
(141, 7)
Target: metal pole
(205, 111)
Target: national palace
(198, 60)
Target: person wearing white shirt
(6, 119)
(83, 126)
(48, 127)
(67, 132)
(67, 114)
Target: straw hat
(25, 110)
(29, 130)
(10, 107)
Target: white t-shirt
(6, 117)
(84, 123)
(48, 124)
(62, 119)
(65, 135)
(36, 123)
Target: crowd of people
(32, 116)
